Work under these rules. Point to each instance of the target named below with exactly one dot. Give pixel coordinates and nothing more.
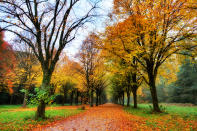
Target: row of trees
(92, 68)
(46, 27)
(140, 37)
(145, 34)
(71, 82)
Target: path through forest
(107, 117)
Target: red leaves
(7, 63)
(6, 55)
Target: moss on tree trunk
(40, 113)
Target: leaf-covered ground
(107, 117)
(111, 117)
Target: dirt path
(108, 117)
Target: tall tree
(88, 56)
(44, 26)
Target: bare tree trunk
(123, 98)
(154, 98)
(41, 110)
(128, 98)
(81, 100)
(97, 98)
(76, 98)
(134, 98)
(91, 98)
(120, 100)
(152, 77)
(25, 100)
(71, 98)
(11, 99)
(64, 98)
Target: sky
(99, 25)
(72, 48)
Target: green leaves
(42, 94)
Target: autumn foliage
(7, 64)
(150, 31)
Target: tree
(27, 68)
(44, 25)
(88, 57)
(117, 89)
(186, 86)
(100, 81)
(66, 79)
(26, 72)
(151, 31)
(130, 79)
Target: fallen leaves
(111, 117)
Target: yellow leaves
(169, 69)
(67, 71)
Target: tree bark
(120, 100)
(91, 98)
(11, 98)
(25, 100)
(135, 98)
(76, 98)
(64, 98)
(71, 98)
(40, 113)
(41, 110)
(123, 98)
(128, 98)
(154, 98)
(152, 77)
(97, 98)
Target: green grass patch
(5, 108)
(24, 120)
(173, 117)
(182, 111)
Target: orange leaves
(149, 30)
(7, 63)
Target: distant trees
(26, 72)
(185, 88)
(182, 90)
(92, 68)
(117, 90)
(66, 81)
(27, 69)
(64, 90)
(127, 78)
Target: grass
(24, 120)
(173, 117)
(182, 111)
(5, 108)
